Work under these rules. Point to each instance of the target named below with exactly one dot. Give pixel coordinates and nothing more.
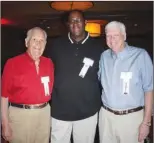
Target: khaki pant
(119, 128)
(30, 125)
(83, 130)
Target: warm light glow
(5, 21)
(94, 29)
(68, 5)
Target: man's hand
(143, 132)
(6, 131)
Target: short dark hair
(65, 16)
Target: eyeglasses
(72, 21)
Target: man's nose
(37, 42)
(112, 37)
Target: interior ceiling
(137, 15)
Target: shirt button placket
(76, 53)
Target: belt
(26, 106)
(123, 112)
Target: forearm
(148, 106)
(4, 110)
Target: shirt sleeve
(147, 72)
(7, 79)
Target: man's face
(76, 24)
(36, 44)
(115, 39)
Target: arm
(147, 84)
(144, 128)
(4, 110)
(6, 86)
(148, 107)
(6, 129)
(147, 79)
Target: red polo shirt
(21, 83)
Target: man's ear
(45, 43)
(26, 42)
(85, 22)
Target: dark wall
(144, 41)
(12, 42)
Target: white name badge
(45, 80)
(87, 63)
(126, 76)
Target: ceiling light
(70, 5)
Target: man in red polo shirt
(27, 83)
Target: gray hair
(118, 25)
(29, 32)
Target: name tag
(126, 76)
(87, 63)
(45, 80)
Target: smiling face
(35, 43)
(115, 39)
(115, 36)
(76, 25)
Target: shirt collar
(121, 54)
(82, 41)
(29, 58)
